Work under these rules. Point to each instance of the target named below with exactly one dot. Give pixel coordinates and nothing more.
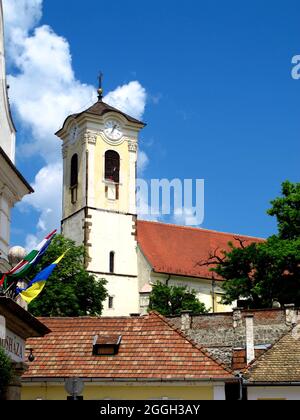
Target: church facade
(100, 148)
(13, 186)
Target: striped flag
(21, 269)
(37, 285)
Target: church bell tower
(100, 148)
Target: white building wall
(144, 269)
(105, 235)
(219, 392)
(274, 393)
(204, 288)
(4, 226)
(73, 228)
(7, 131)
(112, 232)
(124, 291)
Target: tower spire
(100, 89)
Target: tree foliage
(171, 300)
(71, 290)
(6, 371)
(287, 211)
(262, 273)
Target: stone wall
(220, 334)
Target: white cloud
(46, 201)
(144, 208)
(130, 98)
(44, 91)
(20, 17)
(142, 163)
(185, 216)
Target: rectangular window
(112, 262)
(110, 302)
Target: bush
(172, 300)
(5, 371)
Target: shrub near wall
(5, 372)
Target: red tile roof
(151, 348)
(176, 249)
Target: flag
(36, 286)
(30, 260)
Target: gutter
(133, 380)
(187, 275)
(274, 384)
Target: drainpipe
(241, 383)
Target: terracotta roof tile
(177, 250)
(164, 353)
(281, 363)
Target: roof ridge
(200, 229)
(191, 341)
(88, 317)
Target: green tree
(171, 300)
(6, 372)
(71, 290)
(287, 211)
(270, 271)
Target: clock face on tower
(113, 130)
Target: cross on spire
(100, 89)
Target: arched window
(112, 262)
(74, 178)
(112, 166)
(74, 171)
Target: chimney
(250, 353)
(186, 320)
(290, 314)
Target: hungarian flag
(29, 261)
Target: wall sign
(14, 346)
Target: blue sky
(221, 102)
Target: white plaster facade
(273, 392)
(12, 189)
(7, 130)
